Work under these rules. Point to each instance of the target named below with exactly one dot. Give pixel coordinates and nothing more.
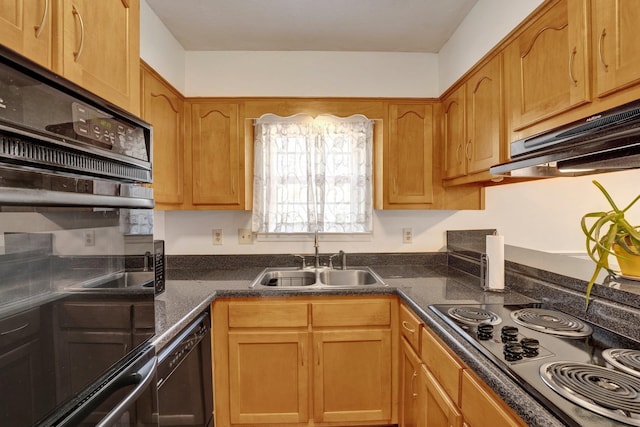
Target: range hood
(605, 142)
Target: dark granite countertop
(417, 286)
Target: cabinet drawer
(410, 327)
(267, 314)
(480, 404)
(442, 364)
(351, 313)
(19, 326)
(95, 316)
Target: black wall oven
(76, 225)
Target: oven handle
(143, 378)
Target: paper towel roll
(495, 268)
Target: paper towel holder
(484, 274)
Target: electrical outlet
(89, 238)
(407, 235)
(217, 236)
(245, 237)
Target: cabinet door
(479, 404)
(162, 106)
(548, 66)
(410, 154)
(352, 375)
(217, 178)
(617, 49)
(76, 347)
(101, 49)
(484, 116)
(25, 26)
(23, 400)
(435, 407)
(409, 387)
(453, 132)
(268, 377)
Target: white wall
(160, 49)
(541, 215)
(486, 24)
(339, 74)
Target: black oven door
(125, 398)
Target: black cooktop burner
(602, 390)
(551, 322)
(474, 315)
(625, 359)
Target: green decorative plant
(607, 229)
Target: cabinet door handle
(233, 185)
(302, 353)
(45, 13)
(395, 185)
(318, 354)
(406, 325)
(19, 328)
(458, 152)
(467, 150)
(76, 55)
(605, 67)
(572, 56)
(413, 378)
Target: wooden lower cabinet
(409, 389)
(268, 377)
(352, 375)
(436, 407)
(304, 361)
(481, 407)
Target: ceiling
(312, 25)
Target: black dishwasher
(185, 390)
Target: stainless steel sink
(122, 280)
(313, 278)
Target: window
(312, 173)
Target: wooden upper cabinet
(547, 65)
(26, 26)
(409, 156)
(216, 158)
(616, 47)
(163, 107)
(101, 49)
(484, 117)
(454, 135)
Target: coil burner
(626, 360)
(474, 315)
(605, 391)
(551, 322)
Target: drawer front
(410, 327)
(351, 313)
(268, 314)
(20, 326)
(107, 315)
(480, 404)
(442, 364)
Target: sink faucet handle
(304, 260)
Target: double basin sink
(314, 278)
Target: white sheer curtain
(312, 172)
